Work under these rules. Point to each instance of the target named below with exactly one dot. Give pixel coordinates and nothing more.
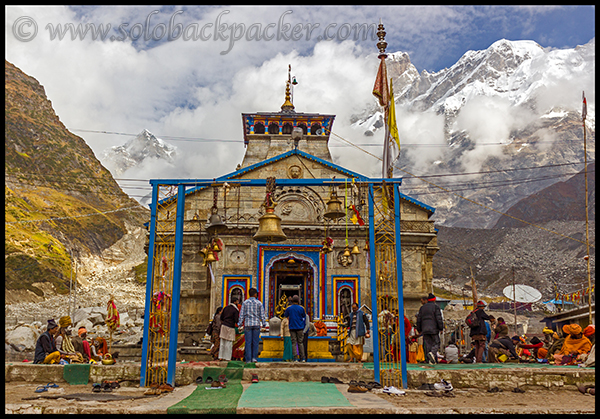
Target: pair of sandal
(333, 380)
(369, 386)
(156, 389)
(41, 389)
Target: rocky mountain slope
(546, 254)
(59, 199)
(500, 116)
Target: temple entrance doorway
(289, 277)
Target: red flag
(584, 111)
(380, 90)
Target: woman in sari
(214, 336)
(239, 344)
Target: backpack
(472, 320)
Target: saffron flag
(380, 90)
(584, 111)
(356, 218)
(393, 128)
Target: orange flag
(380, 90)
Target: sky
(187, 73)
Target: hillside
(539, 257)
(51, 175)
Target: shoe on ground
(254, 378)
(324, 379)
(518, 390)
(335, 380)
(357, 389)
(393, 390)
(443, 385)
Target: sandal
(41, 389)
(255, 378)
(96, 388)
(52, 385)
(166, 387)
(199, 380)
(208, 380)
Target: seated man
(45, 347)
(503, 345)
(574, 345)
(534, 346)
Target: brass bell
(204, 252)
(366, 248)
(334, 207)
(346, 252)
(355, 249)
(215, 225)
(216, 248)
(269, 227)
(210, 258)
(326, 248)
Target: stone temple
(292, 145)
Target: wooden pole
(473, 289)
(587, 233)
(514, 298)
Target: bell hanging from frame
(366, 248)
(204, 252)
(347, 252)
(216, 248)
(355, 249)
(215, 224)
(326, 248)
(269, 228)
(210, 258)
(334, 207)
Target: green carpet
(76, 374)
(292, 394)
(483, 365)
(210, 401)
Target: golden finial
(288, 106)
(382, 45)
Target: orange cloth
(542, 352)
(572, 345)
(572, 329)
(589, 331)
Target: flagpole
(587, 232)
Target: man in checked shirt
(252, 316)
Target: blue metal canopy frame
(200, 183)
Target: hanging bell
(210, 258)
(355, 249)
(269, 228)
(334, 207)
(204, 252)
(366, 248)
(326, 248)
(215, 225)
(346, 252)
(216, 248)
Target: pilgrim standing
(429, 325)
(229, 318)
(358, 329)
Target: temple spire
(288, 106)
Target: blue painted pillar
(374, 310)
(399, 281)
(174, 328)
(149, 282)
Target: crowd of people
(57, 345)
(491, 343)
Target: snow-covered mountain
(505, 109)
(142, 148)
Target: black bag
(209, 329)
(472, 320)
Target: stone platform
(481, 377)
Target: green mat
(233, 371)
(210, 401)
(480, 366)
(292, 394)
(76, 374)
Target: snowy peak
(143, 147)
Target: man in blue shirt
(252, 315)
(297, 317)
